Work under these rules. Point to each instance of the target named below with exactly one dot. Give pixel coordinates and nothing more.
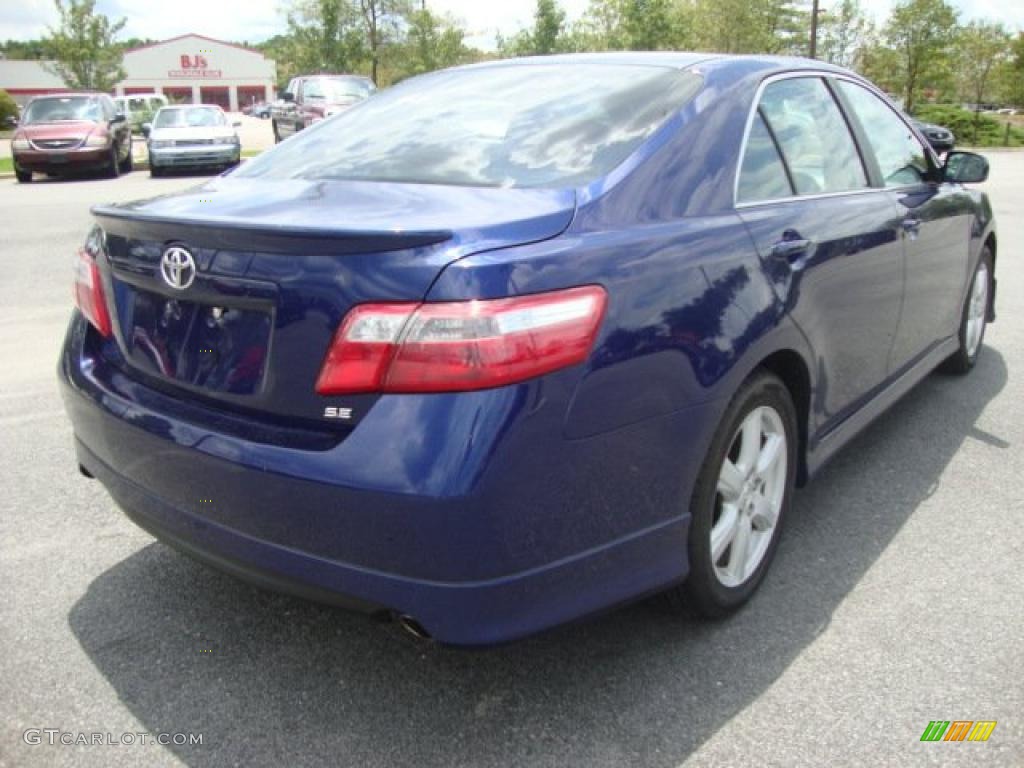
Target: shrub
(969, 128)
(8, 108)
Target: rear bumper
(523, 544)
(458, 613)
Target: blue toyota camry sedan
(512, 343)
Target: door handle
(791, 249)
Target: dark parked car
(940, 138)
(260, 110)
(71, 132)
(509, 344)
(312, 98)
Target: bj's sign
(194, 65)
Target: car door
(828, 238)
(299, 115)
(312, 94)
(935, 220)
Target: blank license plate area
(216, 348)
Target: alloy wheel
(749, 497)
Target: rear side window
(762, 175)
(814, 138)
(901, 157)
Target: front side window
(815, 140)
(311, 90)
(762, 174)
(521, 125)
(341, 89)
(902, 159)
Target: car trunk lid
(277, 266)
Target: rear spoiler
(248, 235)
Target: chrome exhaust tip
(413, 627)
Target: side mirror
(287, 96)
(118, 118)
(237, 123)
(146, 128)
(965, 168)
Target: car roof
(742, 64)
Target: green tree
(882, 66)
(1012, 73)
(82, 47)
(432, 42)
(752, 26)
(8, 109)
(382, 22)
(22, 49)
(843, 31)
(600, 28)
(648, 24)
(981, 48)
(922, 33)
(323, 36)
(639, 25)
(548, 34)
(548, 27)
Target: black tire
(703, 592)
(963, 360)
(155, 170)
(114, 166)
(24, 177)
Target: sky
(256, 20)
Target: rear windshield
(58, 109)
(529, 125)
(190, 117)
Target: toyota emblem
(177, 267)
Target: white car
(192, 136)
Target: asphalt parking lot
(897, 597)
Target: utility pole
(814, 29)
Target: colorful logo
(958, 730)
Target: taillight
(88, 291)
(458, 346)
